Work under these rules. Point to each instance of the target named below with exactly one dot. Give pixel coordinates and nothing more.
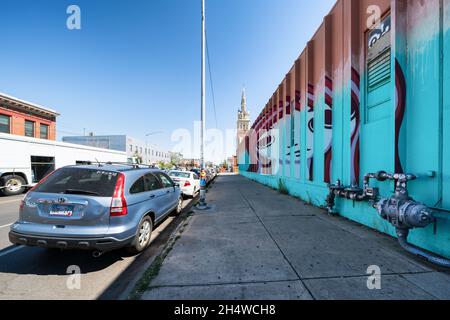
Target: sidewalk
(258, 244)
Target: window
(5, 124)
(138, 186)
(43, 132)
(29, 128)
(152, 182)
(80, 181)
(131, 147)
(166, 181)
(178, 174)
(41, 167)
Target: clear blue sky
(134, 67)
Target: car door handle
(152, 196)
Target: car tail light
(187, 184)
(118, 203)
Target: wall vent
(379, 70)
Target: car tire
(179, 207)
(14, 185)
(143, 235)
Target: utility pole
(202, 202)
(203, 97)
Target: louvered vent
(379, 70)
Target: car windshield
(178, 174)
(80, 181)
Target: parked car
(189, 182)
(96, 207)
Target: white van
(25, 161)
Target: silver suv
(96, 207)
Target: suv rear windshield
(79, 181)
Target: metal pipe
(203, 96)
(97, 254)
(402, 235)
(440, 209)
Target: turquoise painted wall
(422, 54)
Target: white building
(25, 161)
(137, 150)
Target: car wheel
(13, 185)
(143, 236)
(179, 207)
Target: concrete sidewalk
(258, 244)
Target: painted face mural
(400, 108)
(310, 131)
(288, 126)
(268, 151)
(297, 150)
(355, 127)
(328, 128)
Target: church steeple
(243, 101)
(243, 120)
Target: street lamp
(146, 142)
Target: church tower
(243, 121)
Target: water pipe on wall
(402, 211)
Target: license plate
(61, 210)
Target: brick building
(27, 119)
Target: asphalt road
(8, 215)
(36, 273)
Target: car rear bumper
(188, 191)
(101, 244)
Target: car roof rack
(127, 164)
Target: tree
(176, 158)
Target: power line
(211, 78)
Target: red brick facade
(19, 112)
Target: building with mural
(360, 125)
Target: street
(36, 273)
(8, 215)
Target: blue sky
(134, 67)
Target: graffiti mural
(400, 86)
(328, 129)
(355, 127)
(310, 132)
(288, 142)
(297, 150)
